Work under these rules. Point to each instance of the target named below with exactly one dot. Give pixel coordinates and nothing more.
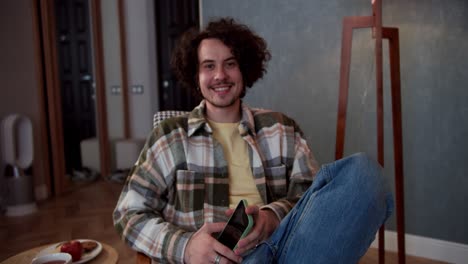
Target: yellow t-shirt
(241, 180)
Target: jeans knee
(359, 165)
(365, 168)
(362, 174)
(368, 174)
(362, 159)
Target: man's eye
(231, 64)
(208, 66)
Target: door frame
(49, 65)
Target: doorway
(74, 46)
(173, 17)
(68, 39)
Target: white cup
(62, 258)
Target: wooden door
(75, 77)
(173, 17)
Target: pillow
(161, 115)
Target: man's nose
(220, 74)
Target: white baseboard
(427, 248)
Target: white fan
(17, 151)
(17, 141)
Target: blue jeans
(336, 219)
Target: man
(195, 167)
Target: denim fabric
(336, 219)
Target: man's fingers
(251, 239)
(213, 227)
(229, 212)
(227, 253)
(252, 209)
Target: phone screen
(237, 227)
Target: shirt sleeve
(138, 215)
(301, 175)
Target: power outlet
(137, 89)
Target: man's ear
(244, 91)
(197, 90)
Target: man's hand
(266, 222)
(204, 248)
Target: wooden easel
(379, 32)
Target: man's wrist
(272, 216)
(185, 247)
(272, 211)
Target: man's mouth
(222, 87)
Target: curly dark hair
(249, 49)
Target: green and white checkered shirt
(181, 180)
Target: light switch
(115, 89)
(137, 89)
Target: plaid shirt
(181, 180)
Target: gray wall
(305, 39)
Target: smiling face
(219, 76)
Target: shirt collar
(197, 120)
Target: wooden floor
(84, 213)
(87, 213)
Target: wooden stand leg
(349, 23)
(394, 49)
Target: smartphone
(237, 227)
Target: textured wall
(305, 39)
